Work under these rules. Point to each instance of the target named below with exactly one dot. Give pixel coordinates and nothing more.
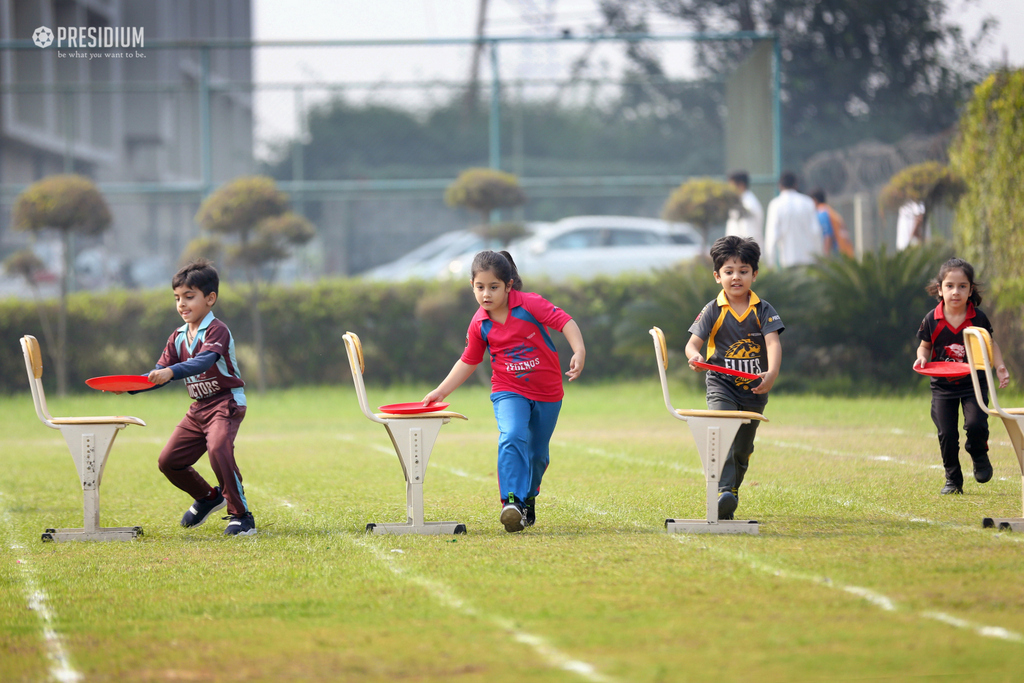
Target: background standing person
(792, 233)
(526, 380)
(835, 238)
(911, 226)
(751, 223)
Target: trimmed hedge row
(411, 332)
(414, 332)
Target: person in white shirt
(911, 226)
(792, 233)
(750, 222)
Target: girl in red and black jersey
(526, 380)
(942, 339)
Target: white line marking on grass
(879, 600)
(876, 599)
(622, 457)
(980, 629)
(391, 451)
(61, 669)
(844, 454)
(466, 475)
(999, 535)
(446, 597)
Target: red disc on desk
(120, 383)
(724, 370)
(412, 408)
(944, 369)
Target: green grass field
(861, 572)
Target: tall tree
(254, 211)
(850, 70)
(989, 154)
(69, 204)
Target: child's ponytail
(517, 284)
(498, 262)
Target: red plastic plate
(412, 408)
(120, 383)
(726, 371)
(944, 369)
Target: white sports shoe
(513, 517)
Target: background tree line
(851, 71)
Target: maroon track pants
(210, 427)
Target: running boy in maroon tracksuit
(202, 352)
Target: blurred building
(124, 104)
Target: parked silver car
(586, 246)
(429, 261)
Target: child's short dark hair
(818, 195)
(740, 178)
(498, 262)
(733, 246)
(198, 274)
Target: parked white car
(433, 260)
(586, 246)
(428, 260)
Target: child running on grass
(202, 352)
(742, 333)
(526, 384)
(942, 339)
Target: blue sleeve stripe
(485, 329)
(522, 314)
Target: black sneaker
(951, 488)
(244, 525)
(727, 502)
(201, 509)
(513, 516)
(982, 469)
(530, 507)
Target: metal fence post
(205, 133)
(494, 156)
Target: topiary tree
(27, 265)
(485, 190)
(703, 202)
(254, 212)
(503, 232)
(204, 246)
(929, 183)
(69, 204)
(988, 153)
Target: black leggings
(946, 416)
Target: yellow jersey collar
(723, 301)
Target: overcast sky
(384, 19)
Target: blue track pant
(524, 430)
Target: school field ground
(861, 572)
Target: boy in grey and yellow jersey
(742, 333)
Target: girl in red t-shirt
(526, 384)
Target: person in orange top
(833, 227)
